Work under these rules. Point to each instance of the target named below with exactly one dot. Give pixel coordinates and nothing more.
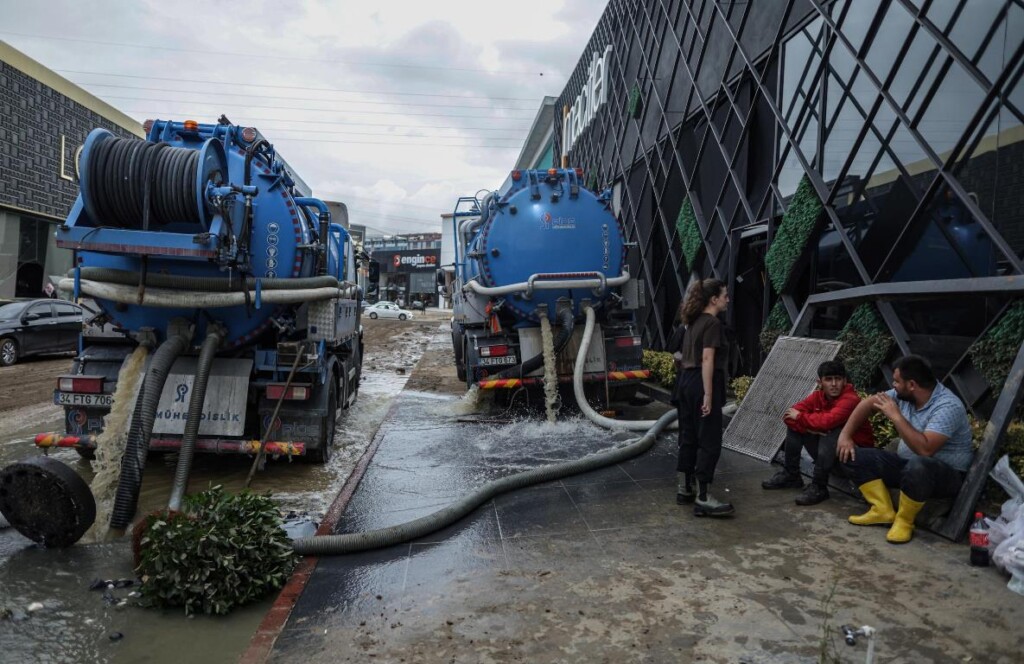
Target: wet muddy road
(69, 622)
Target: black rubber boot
(710, 506)
(783, 480)
(812, 495)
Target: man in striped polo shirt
(934, 453)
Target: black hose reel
(140, 185)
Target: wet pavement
(74, 623)
(605, 567)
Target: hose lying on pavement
(327, 545)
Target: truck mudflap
(611, 376)
(211, 445)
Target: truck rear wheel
(322, 454)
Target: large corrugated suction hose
(212, 284)
(326, 545)
(207, 354)
(137, 446)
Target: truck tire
(460, 355)
(8, 352)
(322, 454)
(88, 455)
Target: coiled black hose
(195, 410)
(130, 181)
(137, 446)
(568, 322)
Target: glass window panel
(951, 245)
(844, 122)
(915, 65)
(857, 21)
(892, 35)
(950, 110)
(797, 63)
(908, 151)
(973, 24)
(941, 11)
(860, 170)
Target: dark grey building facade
(44, 120)
(837, 163)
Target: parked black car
(41, 326)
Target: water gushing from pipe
(550, 370)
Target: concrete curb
(262, 642)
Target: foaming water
(550, 371)
(111, 443)
(469, 403)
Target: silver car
(387, 310)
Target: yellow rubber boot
(881, 512)
(903, 527)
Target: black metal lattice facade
(902, 120)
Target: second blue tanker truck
(543, 246)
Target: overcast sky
(395, 107)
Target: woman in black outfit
(700, 394)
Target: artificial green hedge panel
(866, 344)
(794, 232)
(994, 353)
(689, 233)
(635, 107)
(778, 323)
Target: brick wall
(33, 117)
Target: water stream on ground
(74, 624)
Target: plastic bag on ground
(1006, 533)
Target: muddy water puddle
(70, 623)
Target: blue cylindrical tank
(280, 228)
(544, 223)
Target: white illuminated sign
(590, 99)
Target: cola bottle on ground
(979, 541)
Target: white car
(387, 310)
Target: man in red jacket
(815, 423)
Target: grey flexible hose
(328, 545)
(185, 299)
(195, 410)
(137, 447)
(212, 284)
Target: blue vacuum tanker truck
(197, 244)
(543, 247)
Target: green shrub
(689, 234)
(994, 353)
(866, 343)
(778, 324)
(794, 232)
(885, 430)
(223, 551)
(740, 386)
(635, 106)
(662, 366)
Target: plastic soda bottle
(979, 541)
